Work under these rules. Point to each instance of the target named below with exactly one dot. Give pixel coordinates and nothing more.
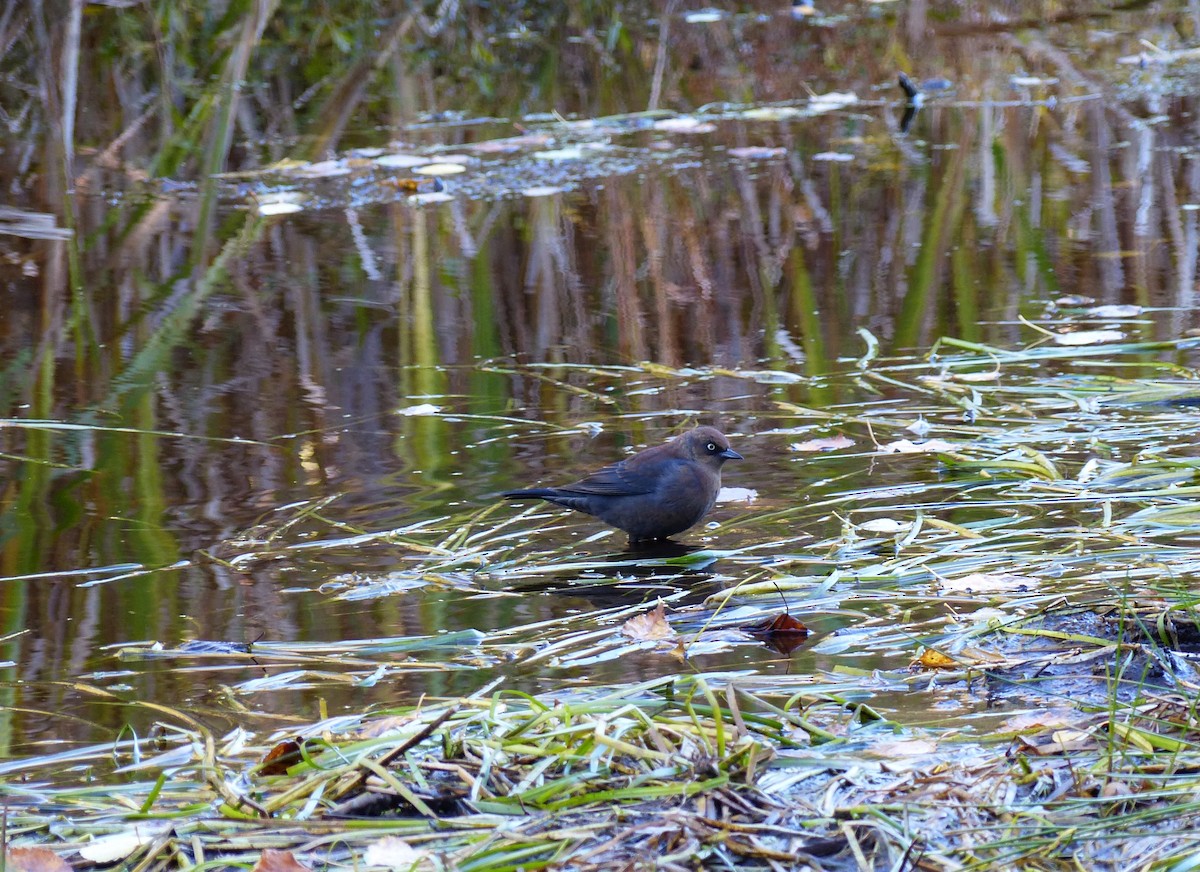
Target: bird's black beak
(730, 454)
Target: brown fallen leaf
(650, 627)
(782, 633)
(278, 861)
(931, 659)
(34, 859)
(414, 185)
(280, 758)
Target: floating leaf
(826, 444)
(931, 659)
(652, 626)
(782, 633)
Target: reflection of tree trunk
(655, 217)
(700, 331)
(1108, 261)
(623, 257)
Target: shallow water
(407, 361)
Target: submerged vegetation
(297, 291)
(1001, 665)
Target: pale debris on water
(1088, 337)
(988, 582)
(756, 152)
(571, 152)
(887, 526)
(441, 169)
(402, 161)
(827, 444)
(919, 427)
(907, 446)
(422, 409)
(832, 100)
(1115, 311)
(324, 169)
(737, 495)
(431, 197)
(684, 124)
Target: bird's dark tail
(538, 493)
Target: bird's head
(708, 445)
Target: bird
(654, 494)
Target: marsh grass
(1006, 676)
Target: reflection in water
(221, 373)
(646, 569)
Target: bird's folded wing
(612, 481)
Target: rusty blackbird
(654, 494)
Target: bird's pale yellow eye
(712, 447)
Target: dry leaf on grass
(393, 853)
(279, 861)
(34, 859)
(281, 757)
